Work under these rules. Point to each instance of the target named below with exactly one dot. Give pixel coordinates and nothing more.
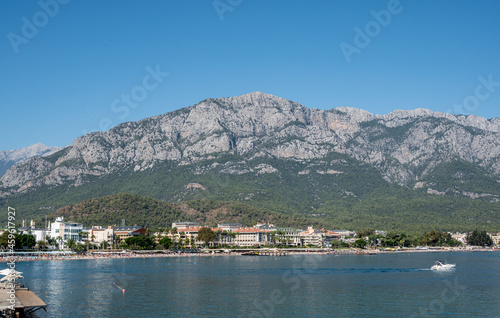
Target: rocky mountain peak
(8, 158)
(258, 99)
(355, 114)
(403, 145)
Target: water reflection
(390, 285)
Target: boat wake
(375, 270)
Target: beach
(40, 256)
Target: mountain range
(8, 158)
(345, 164)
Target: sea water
(383, 285)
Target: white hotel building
(66, 230)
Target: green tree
(25, 241)
(79, 247)
(449, 240)
(4, 239)
(140, 242)
(479, 238)
(70, 243)
(361, 243)
(51, 241)
(274, 237)
(364, 233)
(372, 240)
(431, 238)
(165, 242)
(41, 244)
(206, 235)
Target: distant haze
(8, 158)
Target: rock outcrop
(403, 145)
(8, 158)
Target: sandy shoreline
(284, 252)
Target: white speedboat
(443, 266)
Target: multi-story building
(250, 236)
(495, 237)
(229, 226)
(24, 230)
(329, 237)
(66, 230)
(228, 234)
(461, 237)
(288, 236)
(259, 235)
(319, 238)
(312, 237)
(98, 235)
(346, 235)
(186, 233)
(184, 225)
(124, 232)
(40, 234)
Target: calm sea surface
(384, 285)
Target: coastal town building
(265, 226)
(66, 230)
(98, 235)
(189, 233)
(461, 237)
(229, 226)
(40, 234)
(251, 237)
(233, 234)
(318, 238)
(186, 234)
(124, 232)
(288, 236)
(184, 225)
(345, 235)
(24, 230)
(312, 237)
(495, 237)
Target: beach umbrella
(9, 277)
(9, 271)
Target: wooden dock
(26, 302)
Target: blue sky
(66, 69)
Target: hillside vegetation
(151, 213)
(387, 213)
(353, 196)
(413, 170)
